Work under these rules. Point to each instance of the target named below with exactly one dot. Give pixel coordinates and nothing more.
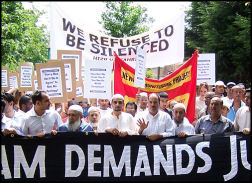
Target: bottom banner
(81, 157)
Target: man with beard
(93, 117)
(118, 122)
(214, 123)
(39, 120)
(74, 122)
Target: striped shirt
(207, 126)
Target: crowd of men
(151, 115)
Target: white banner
(164, 45)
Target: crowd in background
(222, 108)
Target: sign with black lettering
(13, 80)
(139, 79)
(82, 157)
(26, 70)
(4, 78)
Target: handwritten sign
(206, 68)
(139, 80)
(4, 78)
(13, 80)
(26, 72)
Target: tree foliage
(121, 19)
(223, 28)
(22, 40)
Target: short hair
(131, 103)
(219, 99)
(163, 95)
(72, 102)
(8, 97)
(37, 96)
(154, 94)
(24, 100)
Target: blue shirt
(84, 127)
(232, 112)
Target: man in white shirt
(242, 120)
(118, 122)
(39, 120)
(93, 117)
(183, 127)
(104, 106)
(141, 101)
(25, 104)
(153, 122)
(229, 98)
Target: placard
(26, 70)
(98, 79)
(35, 82)
(51, 78)
(79, 91)
(13, 80)
(70, 54)
(69, 69)
(4, 78)
(139, 80)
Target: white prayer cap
(220, 83)
(119, 96)
(93, 108)
(181, 105)
(76, 108)
(143, 94)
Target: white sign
(35, 84)
(98, 79)
(26, 76)
(13, 82)
(4, 78)
(206, 68)
(79, 92)
(164, 44)
(139, 80)
(68, 78)
(76, 58)
(51, 81)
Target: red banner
(180, 85)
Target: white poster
(13, 82)
(51, 81)
(79, 92)
(26, 76)
(98, 79)
(206, 68)
(76, 58)
(68, 78)
(4, 80)
(139, 80)
(35, 84)
(164, 44)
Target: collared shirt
(34, 124)
(125, 122)
(84, 127)
(242, 119)
(161, 123)
(185, 127)
(207, 126)
(232, 112)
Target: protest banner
(13, 80)
(26, 70)
(164, 44)
(70, 54)
(82, 157)
(180, 85)
(139, 79)
(51, 78)
(4, 78)
(69, 69)
(98, 79)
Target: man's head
(25, 103)
(153, 103)
(75, 113)
(131, 108)
(93, 116)
(247, 97)
(117, 102)
(143, 101)
(203, 89)
(237, 93)
(41, 100)
(171, 104)
(216, 106)
(208, 97)
(9, 102)
(219, 88)
(104, 103)
(179, 111)
(229, 89)
(225, 109)
(163, 100)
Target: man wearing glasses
(118, 122)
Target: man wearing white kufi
(74, 122)
(182, 126)
(118, 122)
(93, 117)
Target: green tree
(121, 19)
(222, 28)
(22, 40)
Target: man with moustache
(93, 117)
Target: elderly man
(214, 122)
(141, 101)
(118, 122)
(183, 127)
(153, 122)
(74, 122)
(93, 117)
(39, 120)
